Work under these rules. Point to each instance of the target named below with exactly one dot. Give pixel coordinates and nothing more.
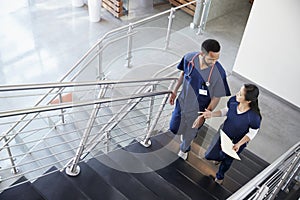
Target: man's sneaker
(219, 181)
(183, 155)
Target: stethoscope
(190, 69)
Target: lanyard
(190, 70)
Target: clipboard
(226, 145)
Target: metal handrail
(62, 86)
(254, 184)
(72, 105)
(77, 84)
(74, 67)
(40, 109)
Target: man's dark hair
(210, 45)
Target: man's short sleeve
(220, 87)
(180, 66)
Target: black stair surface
(134, 173)
(56, 186)
(241, 171)
(180, 173)
(146, 175)
(21, 192)
(124, 182)
(93, 185)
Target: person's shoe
(183, 155)
(216, 162)
(219, 181)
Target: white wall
(269, 54)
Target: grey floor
(40, 40)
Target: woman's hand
(198, 122)
(206, 114)
(236, 147)
(172, 98)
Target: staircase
(135, 172)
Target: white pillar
(94, 10)
(77, 3)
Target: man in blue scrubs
(203, 81)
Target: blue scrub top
(190, 99)
(236, 126)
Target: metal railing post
(100, 69)
(129, 46)
(261, 193)
(74, 169)
(62, 110)
(147, 142)
(14, 169)
(285, 176)
(291, 177)
(206, 6)
(171, 17)
(264, 175)
(150, 110)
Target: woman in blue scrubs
(203, 81)
(241, 125)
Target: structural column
(197, 15)
(94, 10)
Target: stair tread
(255, 158)
(22, 191)
(112, 176)
(63, 187)
(233, 178)
(244, 168)
(180, 180)
(204, 181)
(185, 169)
(252, 164)
(93, 185)
(151, 179)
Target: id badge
(203, 92)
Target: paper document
(226, 145)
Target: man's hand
(172, 98)
(198, 122)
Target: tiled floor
(40, 40)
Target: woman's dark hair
(251, 94)
(210, 45)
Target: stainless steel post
(74, 169)
(147, 142)
(150, 111)
(285, 176)
(206, 6)
(62, 110)
(171, 16)
(100, 69)
(129, 46)
(14, 168)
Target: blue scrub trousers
(179, 124)
(214, 152)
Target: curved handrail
(75, 66)
(78, 84)
(123, 28)
(37, 110)
(257, 180)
